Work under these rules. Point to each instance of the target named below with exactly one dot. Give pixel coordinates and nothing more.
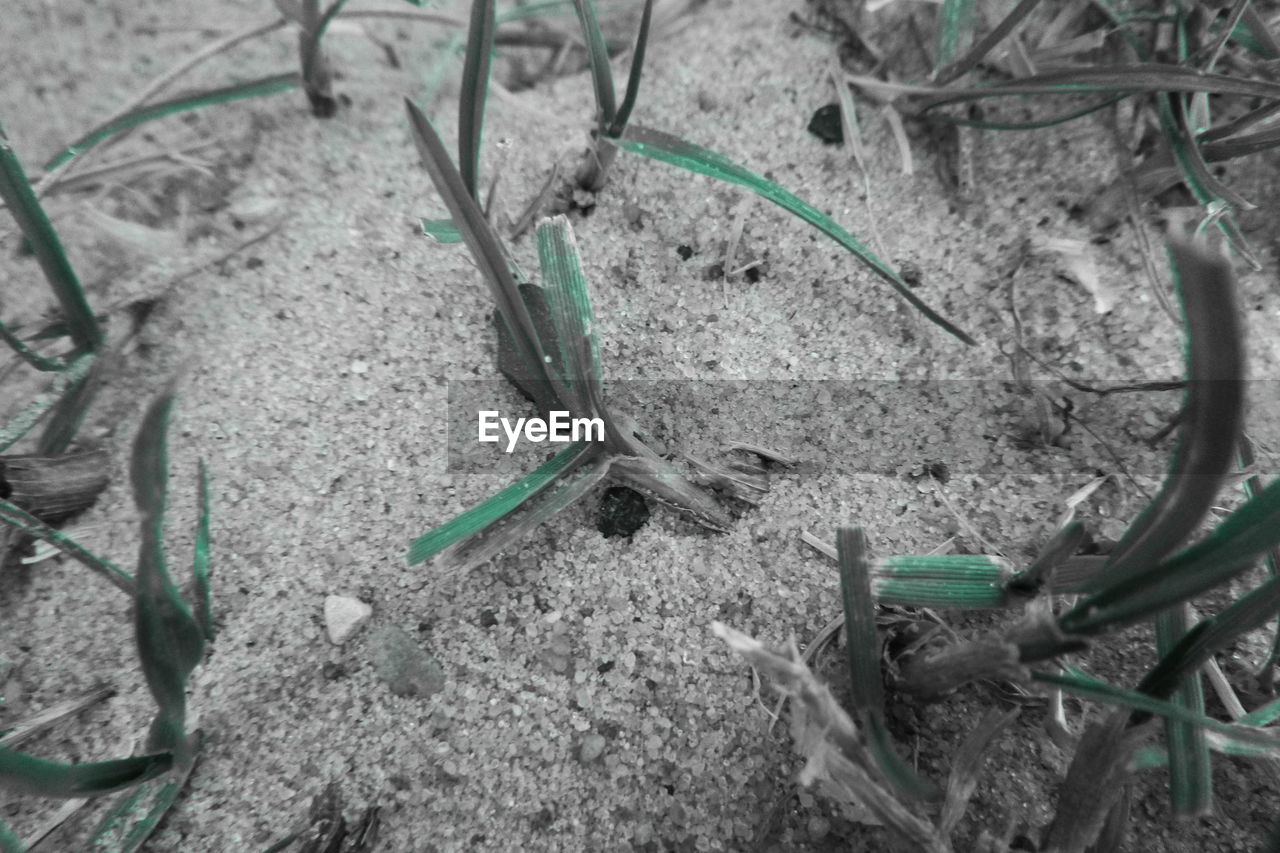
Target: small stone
(592, 748)
(343, 616)
(406, 668)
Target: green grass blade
(22, 422)
(1081, 684)
(960, 581)
(1234, 546)
(27, 774)
(441, 230)
(571, 314)
(670, 149)
(863, 651)
(479, 237)
(258, 88)
(69, 412)
(475, 86)
(1249, 613)
(200, 568)
(34, 527)
(170, 639)
(1190, 768)
(955, 27)
(9, 842)
(598, 57)
(130, 822)
(1214, 404)
(30, 356)
(35, 226)
(1110, 80)
(620, 120)
(1263, 716)
(498, 507)
(970, 60)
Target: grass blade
(27, 774)
(498, 507)
(479, 237)
(1082, 684)
(671, 149)
(34, 527)
(128, 824)
(475, 86)
(863, 652)
(170, 639)
(1214, 405)
(22, 422)
(70, 412)
(1094, 786)
(1190, 768)
(970, 60)
(966, 765)
(598, 57)
(30, 356)
(955, 26)
(441, 230)
(620, 120)
(258, 88)
(200, 568)
(35, 226)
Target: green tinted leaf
(129, 822)
(571, 314)
(69, 413)
(979, 51)
(1265, 715)
(66, 381)
(9, 841)
(955, 27)
(1085, 685)
(475, 86)
(200, 562)
(210, 97)
(1190, 768)
(170, 639)
(598, 57)
(675, 151)
(35, 226)
(27, 774)
(498, 507)
(441, 230)
(961, 581)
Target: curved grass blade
(620, 120)
(130, 822)
(675, 151)
(480, 239)
(70, 411)
(955, 26)
(170, 639)
(966, 765)
(863, 652)
(573, 478)
(598, 57)
(27, 774)
(475, 86)
(1190, 768)
(22, 422)
(1082, 684)
(30, 356)
(1109, 80)
(1234, 546)
(1210, 431)
(200, 568)
(260, 87)
(1094, 787)
(498, 507)
(35, 226)
(34, 527)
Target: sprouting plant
(1144, 577)
(171, 635)
(549, 350)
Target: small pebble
(592, 748)
(344, 616)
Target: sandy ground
(586, 705)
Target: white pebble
(343, 616)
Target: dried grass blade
(967, 764)
(970, 60)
